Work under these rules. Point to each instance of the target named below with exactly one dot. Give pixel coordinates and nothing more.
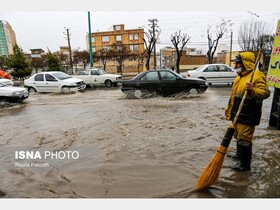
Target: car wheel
(193, 90)
(65, 90)
(2, 101)
(138, 93)
(108, 83)
(32, 90)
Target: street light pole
(230, 52)
(90, 42)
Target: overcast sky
(46, 28)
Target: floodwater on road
(101, 144)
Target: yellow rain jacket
(251, 111)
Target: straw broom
(211, 173)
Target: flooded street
(129, 148)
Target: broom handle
(245, 94)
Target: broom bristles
(211, 173)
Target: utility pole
(155, 56)
(69, 47)
(230, 52)
(90, 42)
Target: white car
(10, 93)
(99, 77)
(213, 73)
(53, 81)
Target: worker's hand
(249, 86)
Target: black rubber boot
(237, 154)
(245, 156)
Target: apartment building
(132, 38)
(7, 38)
(191, 58)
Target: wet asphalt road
(129, 147)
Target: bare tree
(39, 63)
(152, 36)
(214, 36)
(140, 57)
(102, 55)
(81, 57)
(179, 41)
(120, 53)
(254, 35)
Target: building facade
(191, 58)
(131, 38)
(7, 38)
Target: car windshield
(61, 76)
(201, 67)
(6, 83)
(179, 75)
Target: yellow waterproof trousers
(244, 132)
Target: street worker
(249, 117)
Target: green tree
(19, 63)
(53, 62)
(2, 62)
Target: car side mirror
(177, 78)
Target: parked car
(99, 77)
(213, 73)
(53, 81)
(163, 82)
(10, 93)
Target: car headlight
(16, 93)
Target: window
(150, 76)
(165, 75)
(119, 38)
(223, 68)
(94, 72)
(39, 77)
(50, 78)
(118, 28)
(93, 49)
(105, 38)
(134, 47)
(92, 39)
(210, 69)
(119, 47)
(133, 36)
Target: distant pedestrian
(172, 68)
